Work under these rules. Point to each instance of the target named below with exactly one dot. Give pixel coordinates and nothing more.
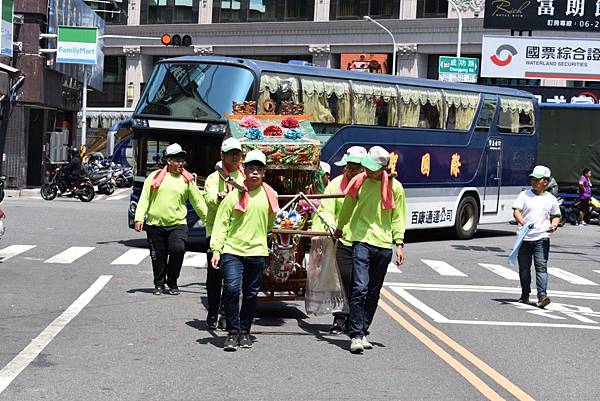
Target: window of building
(356, 9)
(113, 87)
(262, 10)
(432, 9)
(517, 116)
(112, 12)
(169, 11)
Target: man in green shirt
(329, 209)
(239, 246)
(373, 217)
(215, 190)
(163, 203)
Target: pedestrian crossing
(137, 256)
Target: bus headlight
(132, 207)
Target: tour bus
(463, 152)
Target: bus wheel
(467, 217)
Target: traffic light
(168, 39)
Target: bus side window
(421, 108)
(327, 100)
(460, 110)
(375, 104)
(275, 89)
(487, 113)
(517, 116)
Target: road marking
(70, 254)
(37, 345)
(469, 356)
(597, 271)
(393, 268)
(195, 259)
(14, 250)
(131, 257)
(116, 197)
(443, 268)
(501, 271)
(570, 277)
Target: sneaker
(211, 322)
(222, 325)
(356, 346)
(173, 291)
(231, 342)
(543, 301)
(366, 344)
(582, 223)
(159, 289)
(337, 327)
(524, 299)
(244, 340)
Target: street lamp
(367, 18)
(458, 45)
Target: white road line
(392, 268)
(14, 250)
(443, 268)
(131, 257)
(120, 191)
(597, 271)
(195, 259)
(70, 254)
(435, 315)
(501, 271)
(570, 277)
(116, 197)
(37, 345)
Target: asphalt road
(448, 327)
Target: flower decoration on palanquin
(254, 134)
(291, 219)
(290, 122)
(305, 208)
(273, 130)
(249, 122)
(293, 134)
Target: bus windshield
(195, 91)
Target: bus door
(493, 175)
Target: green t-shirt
(212, 187)
(243, 234)
(364, 220)
(166, 206)
(329, 209)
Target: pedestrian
(163, 204)
(216, 187)
(373, 217)
(239, 247)
(585, 194)
(540, 210)
(329, 209)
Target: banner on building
(365, 62)
(76, 45)
(6, 37)
(552, 15)
(563, 95)
(537, 58)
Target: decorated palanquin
(293, 156)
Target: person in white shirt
(540, 210)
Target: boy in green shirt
(163, 203)
(373, 218)
(215, 190)
(239, 246)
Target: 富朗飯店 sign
(574, 59)
(76, 45)
(550, 15)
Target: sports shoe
(231, 342)
(543, 301)
(337, 327)
(366, 344)
(211, 322)
(173, 291)
(158, 290)
(356, 346)
(244, 340)
(222, 325)
(524, 299)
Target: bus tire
(467, 217)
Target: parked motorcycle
(57, 186)
(124, 176)
(103, 180)
(591, 214)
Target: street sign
(76, 45)
(458, 69)
(6, 41)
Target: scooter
(592, 212)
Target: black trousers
(343, 255)
(167, 248)
(214, 286)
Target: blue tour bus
(463, 152)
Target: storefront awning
(104, 118)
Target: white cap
(255, 155)
(354, 154)
(540, 172)
(174, 149)
(230, 144)
(326, 167)
(376, 159)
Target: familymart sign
(76, 45)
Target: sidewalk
(22, 193)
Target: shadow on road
(448, 234)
